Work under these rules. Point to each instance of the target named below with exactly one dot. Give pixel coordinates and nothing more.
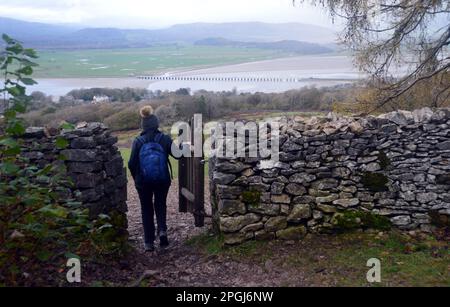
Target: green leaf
(30, 200)
(70, 255)
(28, 81)
(19, 106)
(17, 90)
(16, 128)
(13, 151)
(26, 62)
(10, 114)
(27, 71)
(9, 168)
(16, 49)
(9, 142)
(56, 211)
(61, 142)
(43, 255)
(7, 39)
(45, 170)
(30, 53)
(13, 91)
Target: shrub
(35, 226)
(124, 120)
(164, 114)
(39, 226)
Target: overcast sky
(160, 13)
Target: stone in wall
(395, 166)
(93, 163)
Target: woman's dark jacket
(150, 130)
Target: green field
(123, 62)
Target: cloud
(65, 11)
(158, 13)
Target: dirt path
(185, 265)
(182, 264)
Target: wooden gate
(191, 180)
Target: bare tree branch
(398, 43)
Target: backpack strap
(170, 167)
(158, 137)
(144, 139)
(141, 140)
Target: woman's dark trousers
(153, 202)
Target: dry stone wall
(92, 161)
(336, 173)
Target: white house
(100, 99)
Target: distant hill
(252, 32)
(33, 32)
(40, 35)
(286, 45)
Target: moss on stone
(292, 233)
(251, 198)
(351, 220)
(375, 182)
(385, 162)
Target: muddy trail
(183, 264)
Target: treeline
(217, 105)
(122, 112)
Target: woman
(151, 176)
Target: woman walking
(149, 166)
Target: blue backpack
(153, 162)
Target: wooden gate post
(182, 175)
(191, 180)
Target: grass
(341, 259)
(207, 243)
(212, 244)
(404, 261)
(126, 153)
(123, 62)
